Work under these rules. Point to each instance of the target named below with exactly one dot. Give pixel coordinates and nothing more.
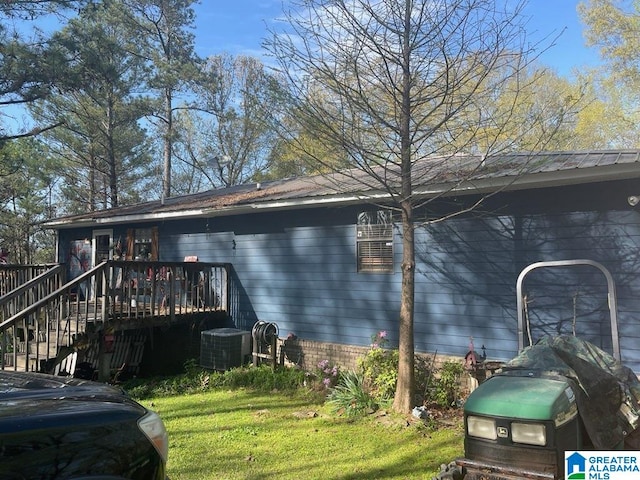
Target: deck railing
(15, 276)
(140, 289)
(25, 285)
(114, 291)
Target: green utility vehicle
(559, 394)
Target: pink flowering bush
(328, 374)
(379, 340)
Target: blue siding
(301, 277)
(298, 269)
(304, 277)
(469, 267)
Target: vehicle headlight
(529, 433)
(151, 425)
(481, 427)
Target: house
(321, 258)
(576, 463)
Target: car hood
(26, 383)
(29, 397)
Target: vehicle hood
(523, 397)
(24, 384)
(27, 399)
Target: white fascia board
(534, 180)
(119, 219)
(339, 200)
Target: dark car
(65, 428)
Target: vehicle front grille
(535, 459)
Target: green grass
(250, 435)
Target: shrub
(350, 396)
(379, 367)
(425, 373)
(446, 388)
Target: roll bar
(613, 306)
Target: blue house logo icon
(575, 466)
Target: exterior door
(102, 246)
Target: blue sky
(238, 26)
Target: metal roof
(433, 176)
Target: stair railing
(29, 291)
(37, 331)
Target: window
(142, 244)
(374, 239)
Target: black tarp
(607, 393)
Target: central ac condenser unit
(224, 348)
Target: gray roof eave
(120, 219)
(535, 180)
(558, 178)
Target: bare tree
(396, 85)
(229, 138)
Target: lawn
(249, 435)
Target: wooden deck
(104, 313)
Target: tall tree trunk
(403, 400)
(113, 173)
(92, 183)
(168, 136)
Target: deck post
(107, 274)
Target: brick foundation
(308, 353)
